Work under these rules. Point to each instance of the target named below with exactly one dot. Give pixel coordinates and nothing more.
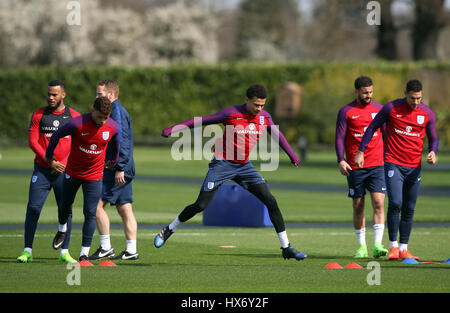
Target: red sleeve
(33, 135)
(74, 113)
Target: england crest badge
(420, 119)
(261, 120)
(105, 135)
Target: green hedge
(157, 97)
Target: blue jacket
(126, 161)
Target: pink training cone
(353, 265)
(332, 266)
(107, 263)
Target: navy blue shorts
(113, 193)
(371, 178)
(222, 170)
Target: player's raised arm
(215, 118)
(284, 144)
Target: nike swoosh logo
(65, 117)
(101, 255)
(124, 257)
(355, 116)
(84, 134)
(398, 115)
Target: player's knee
(89, 214)
(34, 210)
(378, 207)
(200, 206)
(395, 204)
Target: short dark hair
(413, 85)
(57, 82)
(257, 90)
(363, 81)
(103, 105)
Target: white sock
(85, 251)
(131, 246)
(378, 230)
(393, 244)
(283, 239)
(361, 236)
(403, 246)
(29, 250)
(64, 251)
(174, 224)
(105, 242)
(62, 227)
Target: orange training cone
(353, 265)
(85, 263)
(332, 266)
(107, 263)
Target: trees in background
(38, 33)
(161, 32)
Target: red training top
(44, 123)
(88, 149)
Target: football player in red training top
(91, 133)
(244, 124)
(352, 121)
(44, 123)
(407, 120)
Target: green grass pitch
(193, 262)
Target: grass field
(192, 260)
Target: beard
(364, 100)
(54, 106)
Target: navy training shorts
(370, 178)
(222, 170)
(116, 194)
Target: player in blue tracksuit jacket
(117, 182)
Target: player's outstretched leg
(190, 211)
(162, 237)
